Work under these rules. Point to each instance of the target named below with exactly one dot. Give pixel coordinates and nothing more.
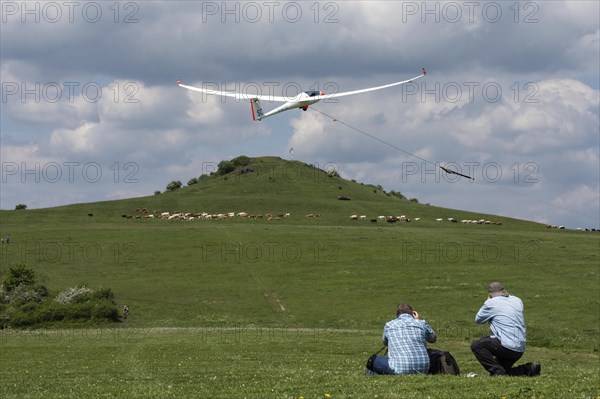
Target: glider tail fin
(257, 111)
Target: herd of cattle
(144, 213)
(404, 218)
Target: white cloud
(579, 199)
(83, 140)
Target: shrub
(105, 310)
(174, 185)
(23, 302)
(225, 167)
(74, 295)
(4, 298)
(24, 294)
(397, 194)
(20, 206)
(18, 275)
(242, 160)
(104, 293)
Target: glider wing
(238, 96)
(348, 93)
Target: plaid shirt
(407, 339)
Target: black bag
(371, 359)
(441, 362)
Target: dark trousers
(496, 359)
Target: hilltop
(267, 185)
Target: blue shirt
(407, 339)
(507, 323)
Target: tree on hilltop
(174, 185)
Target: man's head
(404, 308)
(496, 289)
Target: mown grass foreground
(255, 363)
(292, 307)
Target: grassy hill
(217, 277)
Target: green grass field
(293, 307)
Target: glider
(451, 172)
(302, 100)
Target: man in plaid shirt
(406, 338)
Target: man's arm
(484, 314)
(429, 333)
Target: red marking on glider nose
(322, 93)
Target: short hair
(403, 308)
(496, 289)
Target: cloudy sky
(91, 111)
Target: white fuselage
(300, 101)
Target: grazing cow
(362, 217)
(353, 217)
(439, 220)
(373, 220)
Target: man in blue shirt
(506, 343)
(406, 338)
